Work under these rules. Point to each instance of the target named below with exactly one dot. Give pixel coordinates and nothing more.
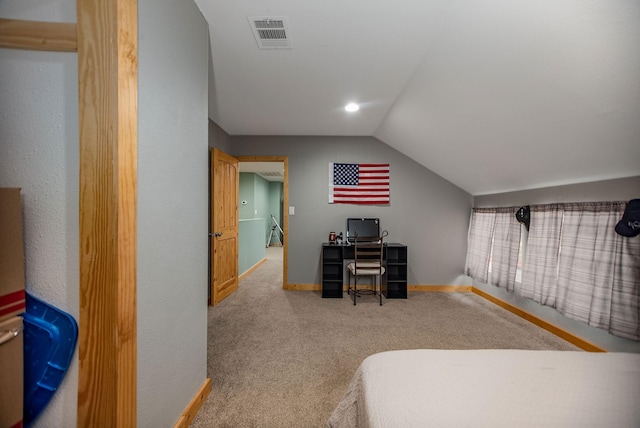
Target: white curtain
(505, 249)
(540, 270)
(625, 301)
(494, 242)
(594, 271)
(479, 244)
(577, 263)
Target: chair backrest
(368, 253)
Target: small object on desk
(332, 237)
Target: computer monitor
(363, 228)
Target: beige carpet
(284, 358)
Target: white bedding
(492, 388)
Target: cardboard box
(11, 372)
(12, 278)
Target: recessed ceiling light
(351, 107)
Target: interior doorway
(273, 168)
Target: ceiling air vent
(271, 32)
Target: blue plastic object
(50, 338)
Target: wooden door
(224, 226)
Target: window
(577, 264)
(493, 249)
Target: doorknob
(218, 234)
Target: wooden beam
(107, 119)
(39, 36)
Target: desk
(394, 281)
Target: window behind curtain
(505, 249)
(598, 270)
(493, 246)
(540, 269)
(479, 243)
(578, 264)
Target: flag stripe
(361, 197)
(354, 192)
(362, 188)
(358, 183)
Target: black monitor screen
(362, 227)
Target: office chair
(368, 254)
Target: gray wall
(427, 213)
(621, 189)
(609, 190)
(172, 208)
(218, 138)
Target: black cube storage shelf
(394, 282)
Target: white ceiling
(493, 95)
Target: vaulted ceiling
(493, 95)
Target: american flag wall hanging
(359, 183)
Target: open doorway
(274, 171)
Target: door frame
(285, 215)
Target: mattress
(492, 388)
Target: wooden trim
(304, 287)
(285, 223)
(107, 122)
(440, 288)
(285, 214)
(251, 269)
(261, 158)
(38, 36)
(563, 334)
(192, 409)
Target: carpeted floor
(284, 358)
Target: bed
(492, 388)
